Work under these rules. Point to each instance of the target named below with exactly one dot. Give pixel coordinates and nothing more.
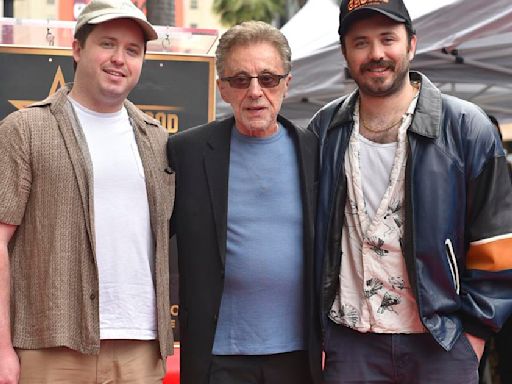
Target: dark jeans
(282, 368)
(356, 358)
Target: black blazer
(200, 158)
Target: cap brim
(148, 29)
(352, 15)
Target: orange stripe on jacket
(494, 255)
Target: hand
(477, 343)
(9, 366)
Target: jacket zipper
(452, 262)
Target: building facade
(199, 14)
(30, 9)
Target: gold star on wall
(58, 81)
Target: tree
(233, 12)
(160, 12)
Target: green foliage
(233, 12)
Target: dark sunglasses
(265, 80)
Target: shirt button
(215, 318)
(92, 296)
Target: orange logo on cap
(354, 4)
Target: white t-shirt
(376, 165)
(124, 242)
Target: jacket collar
(427, 116)
(287, 124)
(219, 136)
(345, 113)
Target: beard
(380, 86)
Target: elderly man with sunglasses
(243, 217)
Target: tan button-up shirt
(46, 190)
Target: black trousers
(371, 358)
(281, 368)
(503, 342)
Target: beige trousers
(119, 362)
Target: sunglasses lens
(240, 82)
(268, 80)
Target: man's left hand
(477, 343)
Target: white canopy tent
(312, 28)
(465, 48)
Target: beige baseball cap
(99, 11)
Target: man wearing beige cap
(84, 209)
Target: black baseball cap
(394, 9)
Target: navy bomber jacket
(458, 227)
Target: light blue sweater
(262, 306)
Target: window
(193, 4)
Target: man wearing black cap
(414, 224)
(84, 210)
